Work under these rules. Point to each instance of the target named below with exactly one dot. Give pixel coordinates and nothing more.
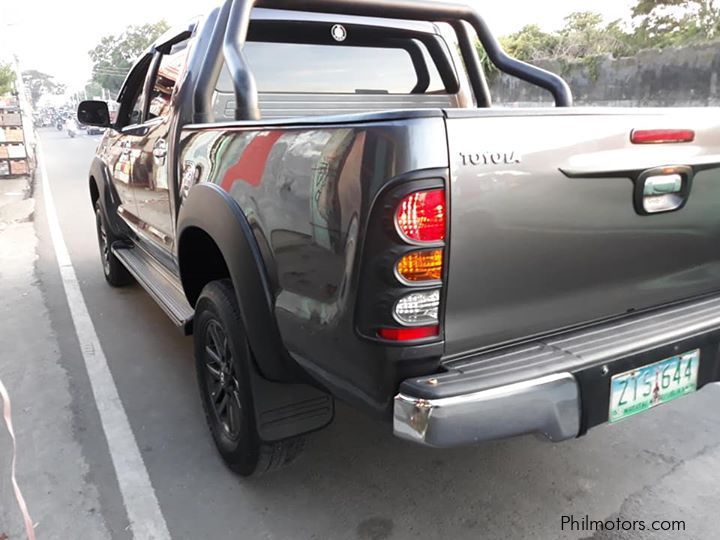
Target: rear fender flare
(208, 208)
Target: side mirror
(94, 113)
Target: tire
(115, 273)
(223, 362)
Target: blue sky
(55, 36)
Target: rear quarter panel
(306, 192)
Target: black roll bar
(246, 95)
(238, 21)
(475, 72)
(210, 68)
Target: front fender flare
(109, 200)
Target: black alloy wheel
(222, 381)
(224, 365)
(115, 273)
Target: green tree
(585, 35)
(7, 78)
(665, 23)
(528, 44)
(531, 43)
(93, 89)
(113, 57)
(40, 84)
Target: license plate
(642, 388)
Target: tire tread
(271, 456)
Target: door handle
(160, 149)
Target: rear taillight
(420, 217)
(661, 136)
(420, 220)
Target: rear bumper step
(556, 387)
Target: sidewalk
(51, 469)
(16, 203)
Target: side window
(171, 66)
(131, 108)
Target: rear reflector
(421, 216)
(408, 334)
(660, 136)
(420, 266)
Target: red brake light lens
(408, 334)
(661, 136)
(421, 216)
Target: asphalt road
(355, 479)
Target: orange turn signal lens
(417, 266)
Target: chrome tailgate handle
(662, 184)
(663, 189)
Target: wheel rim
(104, 246)
(222, 381)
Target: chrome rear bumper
(548, 405)
(536, 387)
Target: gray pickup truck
(328, 201)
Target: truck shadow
(358, 481)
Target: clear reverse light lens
(418, 308)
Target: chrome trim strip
(548, 405)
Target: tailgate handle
(662, 184)
(662, 189)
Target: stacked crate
(13, 154)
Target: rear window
(335, 69)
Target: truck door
(151, 160)
(122, 141)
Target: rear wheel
(222, 359)
(115, 273)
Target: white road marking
(141, 504)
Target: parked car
(333, 209)
(94, 130)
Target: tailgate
(547, 228)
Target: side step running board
(158, 283)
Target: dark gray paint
(306, 193)
(533, 251)
(653, 466)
